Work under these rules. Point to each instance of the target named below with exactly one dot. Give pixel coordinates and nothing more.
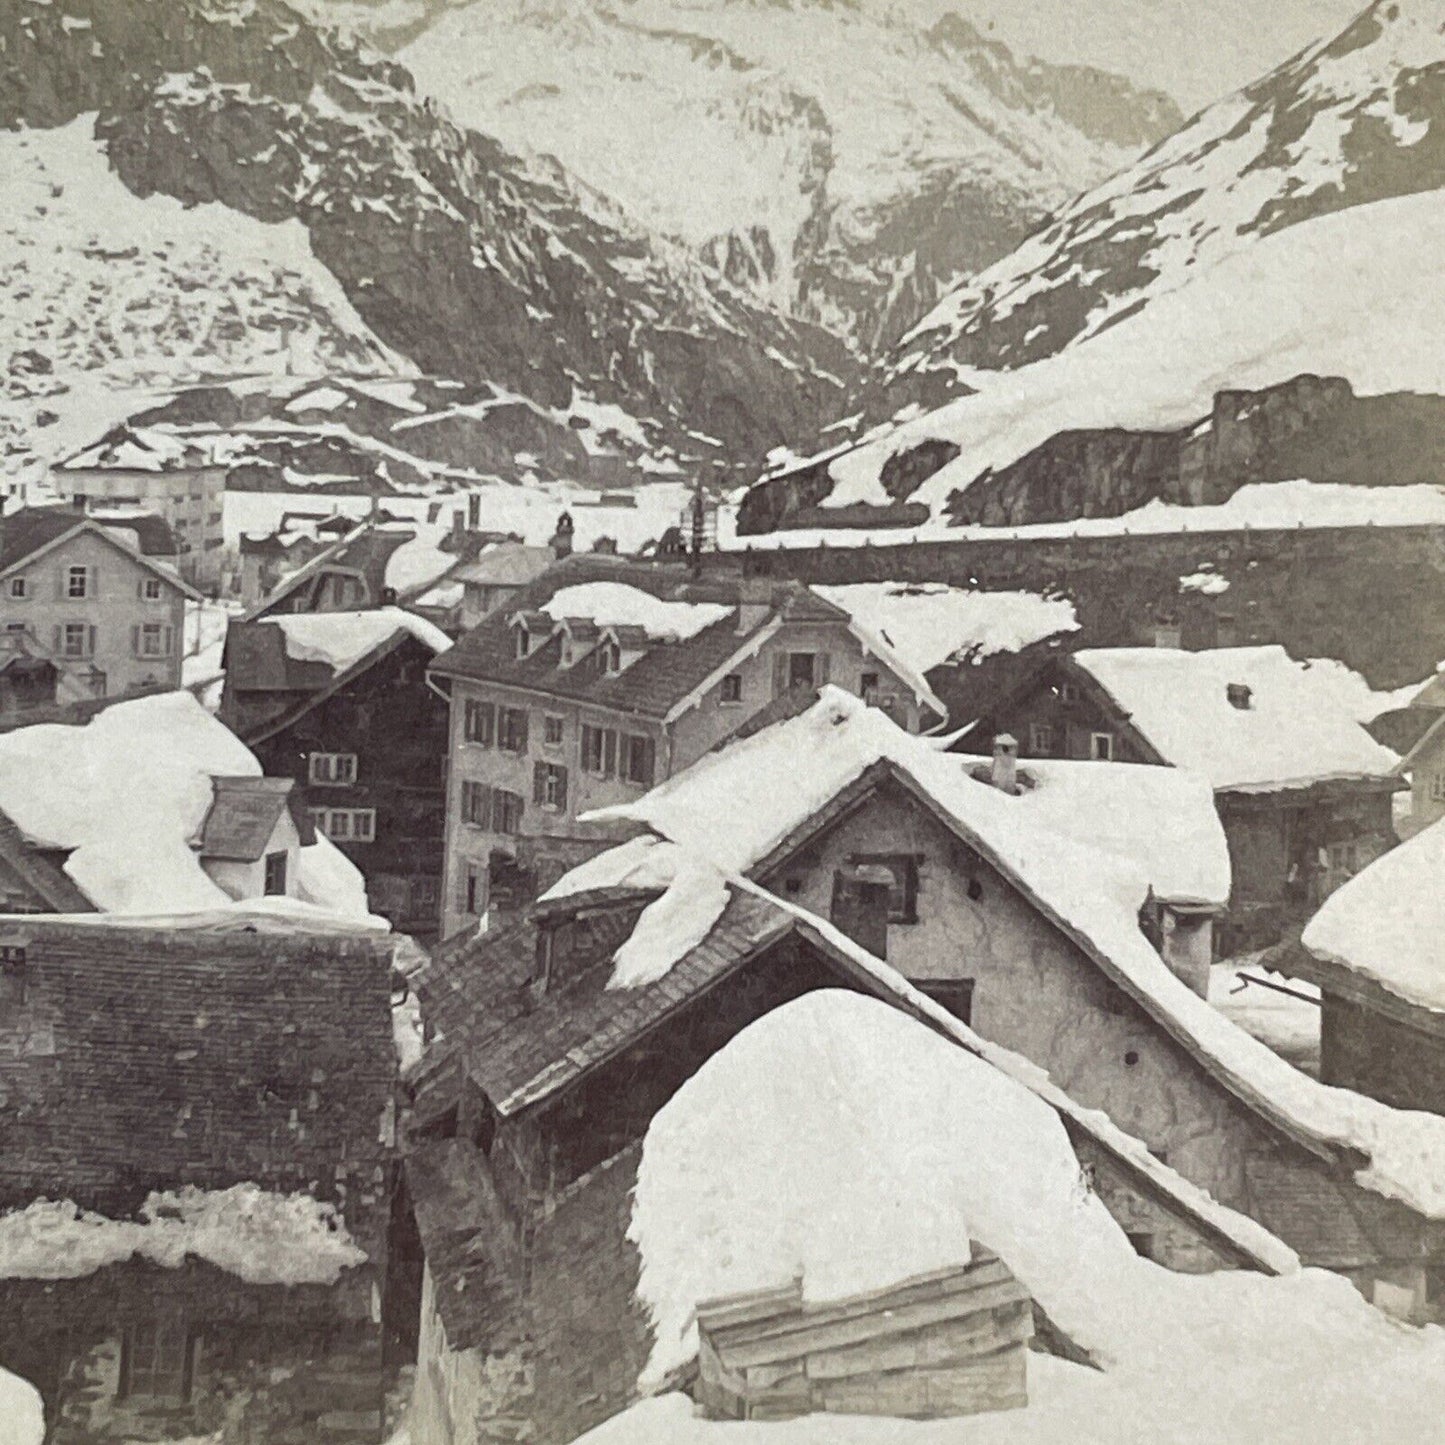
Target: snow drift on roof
(1163, 820)
(22, 1412)
(614, 604)
(259, 1236)
(1293, 730)
(930, 623)
(142, 770)
(733, 807)
(1388, 921)
(342, 639)
(839, 1140)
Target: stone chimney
(561, 543)
(459, 523)
(755, 603)
(1005, 773)
(474, 511)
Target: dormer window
(524, 641)
(1239, 695)
(609, 657)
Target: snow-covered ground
(837, 1140)
(1283, 1013)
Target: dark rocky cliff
(1309, 427)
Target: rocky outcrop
(1312, 427)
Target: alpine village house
(88, 609)
(604, 677)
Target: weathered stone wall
(1372, 596)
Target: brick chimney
(474, 511)
(755, 603)
(1005, 772)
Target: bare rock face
(1310, 426)
(464, 259)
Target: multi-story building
(604, 677)
(87, 609)
(156, 471)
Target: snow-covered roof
(840, 1141)
(1387, 923)
(342, 639)
(930, 623)
(142, 770)
(735, 806)
(1292, 730)
(1163, 820)
(615, 604)
(258, 1236)
(22, 1411)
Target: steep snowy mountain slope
(1356, 294)
(1351, 120)
(445, 252)
(1291, 229)
(844, 161)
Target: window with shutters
(512, 729)
(476, 804)
(903, 893)
(599, 751)
(77, 582)
(549, 786)
(75, 639)
(507, 811)
(553, 731)
(639, 760)
(346, 825)
(730, 694)
(479, 721)
(150, 589)
(16, 588)
(332, 770)
(152, 639)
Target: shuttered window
(75, 639)
(549, 786)
(512, 729)
(599, 751)
(479, 722)
(476, 804)
(639, 760)
(152, 639)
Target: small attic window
(1240, 695)
(524, 640)
(609, 657)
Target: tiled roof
(243, 815)
(520, 1050)
(508, 564)
(26, 532)
(153, 535)
(22, 533)
(38, 872)
(666, 672)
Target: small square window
(731, 692)
(1101, 747)
(151, 589)
(903, 893)
(16, 588)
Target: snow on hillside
(100, 286)
(1354, 294)
(1349, 120)
(824, 156)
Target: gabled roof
(1429, 738)
(143, 449)
(740, 807)
(1285, 728)
(243, 815)
(669, 673)
(523, 1053)
(28, 535)
(36, 870)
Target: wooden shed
(953, 1342)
